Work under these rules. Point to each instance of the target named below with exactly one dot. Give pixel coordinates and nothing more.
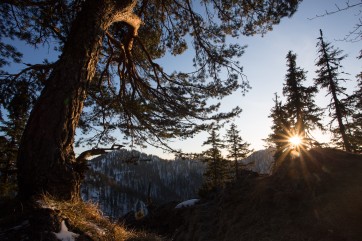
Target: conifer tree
(303, 113)
(237, 148)
(278, 139)
(12, 128)
(107, 61)
(216, 173)
(329, 78)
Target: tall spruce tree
(303, 114)
(278, 139)
(329, 78)
(107, 51)
(217, 170)
(236, 147)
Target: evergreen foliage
(7, 166)
(329, 77)
(107, 62)
(217, 170)
(303, 114)
(11, 129)
(236, 147)
(117, 186)
(129, 90)
(278, 139)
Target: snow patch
(187, 203)
(64, 234)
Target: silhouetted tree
(11, 129)
(237, 148)
(217, 170)
(329, 65)
(7, 164)
(303, 113)
(279, 138)
(107, 52)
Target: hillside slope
(317, 197)
(117, 185)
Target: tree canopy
(108, 52)
(130, 90)
(330, 77)
(303, 114)
(237, 148)
(217, 170)
(281, 127)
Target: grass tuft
(86, 219)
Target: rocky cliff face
(260, 161)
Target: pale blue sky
(265, 66)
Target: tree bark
(46, 160)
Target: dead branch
(338, 9)
(96, 151)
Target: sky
(264, 65)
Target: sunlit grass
(86, 218)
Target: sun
(295, 141)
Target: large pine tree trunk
(46, 160)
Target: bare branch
(338, 9)
(31, 67)
(355, 34)
(96, 151)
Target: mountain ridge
(118, 180)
